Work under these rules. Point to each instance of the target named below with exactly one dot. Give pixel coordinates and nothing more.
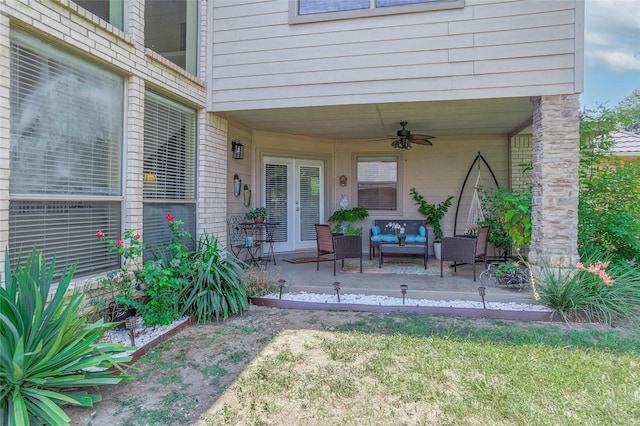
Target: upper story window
(111, 11)
(171, 30)
(325, 10)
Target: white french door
(294, 196)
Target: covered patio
(386, 281)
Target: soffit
(381, 120)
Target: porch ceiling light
(401, 143)
(405, 138)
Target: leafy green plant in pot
(508, 212)
(258, 214)
(344, 219)
(433, 214)
(47, 348)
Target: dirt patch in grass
(179, 380)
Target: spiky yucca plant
(47, 347)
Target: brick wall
(67, 25)
(521, 151)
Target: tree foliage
(609, 207)
(629, 107)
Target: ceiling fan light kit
(405, 138)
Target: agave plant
(48, 347)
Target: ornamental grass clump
(46, 348)
(216, 289)
(597, 292)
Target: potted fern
(433, 214)
(344, 219)
(258, 214)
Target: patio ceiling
(381, 120)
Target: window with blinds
(169, 169)
(309, 178)
(276, 181)
(377, 182)
(66, 126)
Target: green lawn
(419, 370)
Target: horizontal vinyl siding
(511, 48)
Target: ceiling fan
(404, 138)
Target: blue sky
(611, 52)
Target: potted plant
(508, 212)
(344, 218)
(398, 229)
(433, 214)
(258, 214)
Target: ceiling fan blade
(425, 142)
(420, 137)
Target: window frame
(296, 18)
(370, 156)
(62, 221)
(183, 205)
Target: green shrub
(164, 277)
(47, 347)
(216, 290)
(585, 295)
(609, 207)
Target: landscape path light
(403, 289)
(336, 287)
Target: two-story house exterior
(115, 113)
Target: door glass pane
(276, 198)
(309, 201)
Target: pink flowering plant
(204, 282)
(595, 290)
(122, 283)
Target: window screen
(169, 168)
(377, 182)
(65, 155)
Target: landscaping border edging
(432, 310)
(163, 337)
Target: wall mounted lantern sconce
(237, 149)
(237, 184)
(247, 195)
(343, 180)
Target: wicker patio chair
(482, 242)
(458, 250)
(340, 246)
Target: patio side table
(421, 249)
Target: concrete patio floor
(458, 286)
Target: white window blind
(309, 201)
(377, 182)
(276, 181)
(169, 168)
(65, 155)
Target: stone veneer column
(556, 159)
